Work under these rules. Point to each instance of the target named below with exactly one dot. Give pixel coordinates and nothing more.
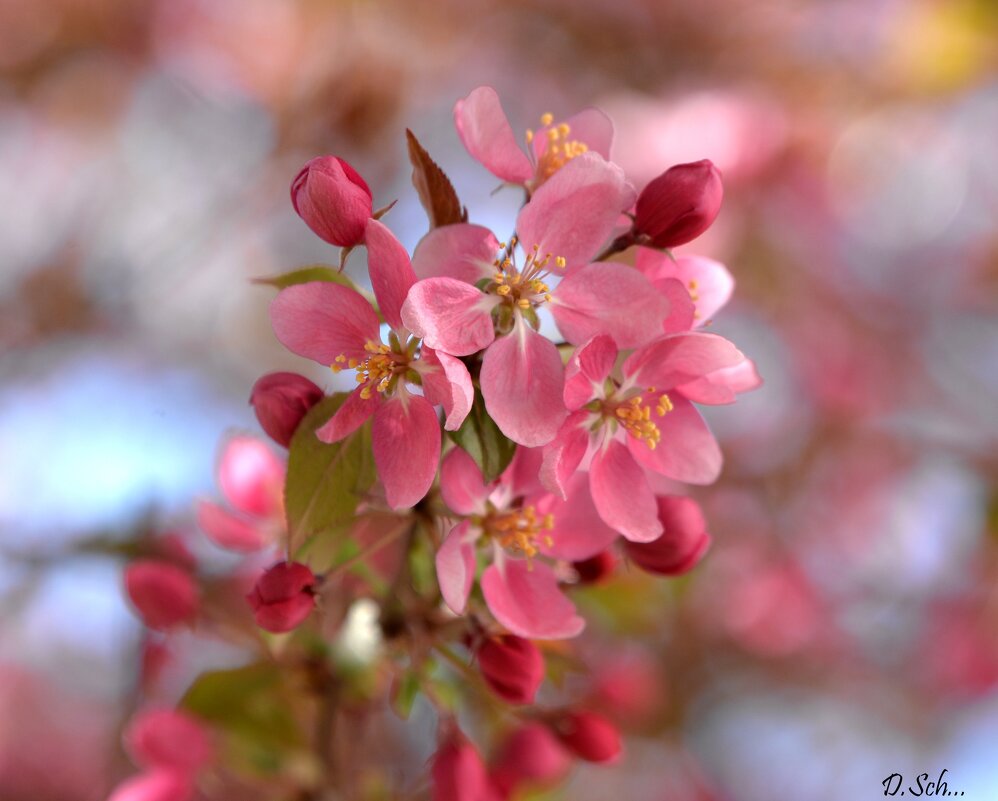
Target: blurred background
(845, 624)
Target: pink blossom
(706, 283)
(280, 401)
(332, 198)
(283, 596)
(512, 666)
(335, 325)
(165, 595)
(679, 205)
(168, 739)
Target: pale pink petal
(687, 452)
(521, 477)
(322, 320)
(227, 530)
(455, 561)
(405, 438)
(574, 212)
(461, 484)
(158, 785)
(450, 315)
(586, 371)
(349, 417)
(579, 532)
(525, 598)
(622, 495)
(708, 282)
(251, 476)
(722, 386)
(565, 453)
(446, 381)
(590, 126)
(679, 358)
(608, 298)
(488, 137)
(391, 272)
(682, 310)
(522, 379)
(462, 251)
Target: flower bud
(280, 401)
(595, 569)
(683, 543)
(589, 736)
(530, 755)
(512, 666)
(283, 596)
(168, 739)
(164, 595)
(333, 200)
(679, 205)
(458, 773)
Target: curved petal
(455, 562)
(579, 532)
(722, 386)
(251, 476)
(488, 137)
(708, 282)
(682, 310)
(446, 381)
(525, 598)
(679, 358)
(321, 320)
(349, 417)
(405, 438)
(157, 785)
(687, 452)
(462, 485)
(390, 270)
(521, 477)
(229, 531)
(621, 494)
(608, 298)
(565, 453)
(590, 126)
(450, 315)
(574, 212)
(462, 251)
(586, 371)
(522, 379)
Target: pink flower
(458, 772)
(283, 597)
(640, 419)
(164, 595)
(468, 299)
(488, 137)
(168, 739)
(679, 205)
(251, 478)
(332, 198)
(512, 666)
(589, 736)
(683, 543)
(280, 401)
(335, 325)
(530, 756)
(697, 287)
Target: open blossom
(641, 419)
(469, 300)
(332, 198)
(251, 478)
(336, 326)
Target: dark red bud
(332, 198)
(530, 755)
(595, 569)
(683, 543)
(589, 736)
(164, 594)
(283, 596)
(458, 772)
(280, 401)
(680, 204)
(512, 666)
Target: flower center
(380, 371)
(560, 149)
(519, 530)
(636, 416)
(523, 288)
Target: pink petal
(322, 320)
(522, 379)
(164, 594)
(391, 272)
(159, 785)
(351, 415)
(586, 371)
(708, 281)
(521, 477)
(622, 495)
(462, 251)
(455, 563)
(446, 382)
(487, 136)
(450, 315)
(608, 298)
(722, 386)
(461, 484)
(678, 358)
(170, 739)
(687, 452)
(590, 126)
(228, 531)
(682, 310)
(565, 453)
(574, 212)
(405, 437)
(525, 598)
(578, 532)
(251, 476)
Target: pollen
(521, 530)
(635, 417)
(375, 372)
(559, 150)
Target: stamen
(520, 531)
(635, 417)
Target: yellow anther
(502, 246)
(499, 278)
(530, 136)
(560, 261)
(564, 129)
(352, 364)
(520, 530)
(664, 405)
(504, 289)
(523, 303)
(547, 118)
(341, 358)
(636, 419)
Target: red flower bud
(164, 594)
(283, 596)
(168, 739)
(680, 204)
(280, 401)
(595, 569)
(332, 198)
(458, 773)
(589, 736)
(683, 543)
(530, 755)
(512, 666)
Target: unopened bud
(679, 205)
(332, 198)
(683, 543)
(164, 595)
(280, 401)
(589, 736)
(512, 666)
(283, 596)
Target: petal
(678, 358)
(708, 282)
(227, 530)
(522, 379)
(525, 598)
(251, 476)
(722, 386)
(488, 137)
(579, 532)
(450, 315)
(446, 381)
(455, 563)
(351, 415)
(586, 371)
(405, 437)
(564, 455)
(462, 251)
(462, 485)
(687, 452)
(608, 298)
(574, 211)
(322, 320)
(391, 272)
(622, 495)
(158, 785)
(590, 126)
(682, 309)
(521, 477)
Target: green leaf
(325, 482)
(434, 188)
(304, 275)
(404, 694)
(484, 442)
